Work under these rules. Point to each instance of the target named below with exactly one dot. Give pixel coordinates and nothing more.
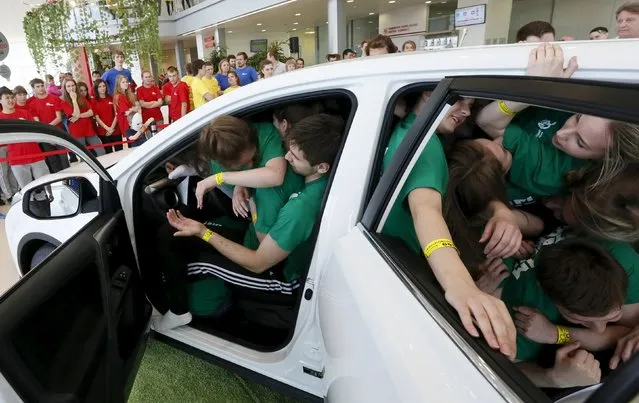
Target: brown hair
(611, 210)
(581, 277)
(475, 178)
(117, 91)
(65, 95)
(19, 90)
(189, 69)
(196, 66)
(243, 54)
(318, 137)
(118, 53)
(172, 69)
(381, 42)
(294, 113)
(82, 84)
(535, 28)
(409, 43)
(225, 138)
(264, 63)
(48, 77)
(239, 84)
(631, 7)
(332, 56)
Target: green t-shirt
(295, 223)
(626, 256)
(539, 122)
(430, 171)
(537, 167)
(268, 203)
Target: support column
(220, 38)
(155, 70)
(179, 57)
(495, 30)
(336, 26)
(199, 43)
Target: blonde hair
(623, 149)
(117, 91)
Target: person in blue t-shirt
(246, 73)
(110, 75)
(223, 69)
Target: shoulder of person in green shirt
(295, 223)
(430, 171)
(541, 123)
(628, 258)
(537, 167)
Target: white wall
(416, 17)
(495, 30)
(241, 42)
(569, 17)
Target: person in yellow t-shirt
(201, 94)
(234, 82)
(210, 81)
(188, 79)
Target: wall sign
(398, 29)
(209, 42)
(473, 15)
(4, 47)
(258, 45)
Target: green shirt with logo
(430, 171)
(294, 225)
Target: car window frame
(577, 96)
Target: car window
(560, 176)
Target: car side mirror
(58, 199)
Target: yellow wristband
(254, 217)
(438, 244)
(563, 335)
(207, 235)
(505, 109)
(219, 178)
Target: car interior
(258, 320)
(414, 266)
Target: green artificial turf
(167, 375)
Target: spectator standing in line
(22, 98)
(290, 64)
(188, 79)
(409, 46)
(332, 57)
(104, 113)
(223, 69)
(150, 98)
(95, 75)
(628, 21)
(380, 45)
(127, 108)
(234, 82)
(24, 170)
(83, 90)
(51, 87)
(364, 47)
(8, 183)
(278, 68)
(201, 94)
(266, 69)
(110, 75)
(176, 94)
(212, 86)
(247, 74)
(231, 61)
(598, 33)
(536, 31)
(349, 54)
(299, 63)
(47, 108)
(80, 114)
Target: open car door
(75, 328)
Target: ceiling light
(349, 1)
(327, 22)
(263, 30)
(229, 32)
(370, 22)
(309, 32)
(428, 2)
(294, 29)
(296, 23)
(391, 2)
(371, 13)
(259, 24)
(298, 14)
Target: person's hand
(547, 60)
(534, 325)
(110, 131)
(180, 171)
(525, 251)
(575, 367)
(73, 95)
(493, 272)
(626, 347)
(204, 186)
(74, 119)
(490, 314)
(502, 233)
(185, 226)
(240, 198)
(135, 136)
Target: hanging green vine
(60, 25)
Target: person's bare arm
(184, 109)
(593, 341)
(101, 123)
(57, 120)
(490, 313)
(493, 120)
(629, 315)
(208, 96)
(529, 224)
(87, 114)
(271, 175)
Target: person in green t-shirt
(567, 282)
(277, 263)
(416, 217)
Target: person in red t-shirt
(104, 112)
(126, 105)
(150, 98)
(79, 113)
(46, 108)
(176, 94)
(24, 169)
(22, 98)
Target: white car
(370, 322)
